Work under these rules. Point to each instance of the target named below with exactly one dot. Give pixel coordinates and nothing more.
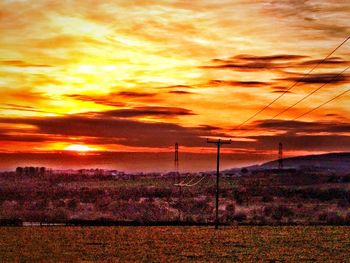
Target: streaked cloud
(317, 78)
(147, 111)
(128, 74)
(235, 83)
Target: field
(175, 244)
(263, 198)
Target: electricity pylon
(280, 156)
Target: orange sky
(138, 76)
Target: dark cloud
(180, 92)
(294, 142)
(113, 99)
(208, 127)
(241, 66)
(24, 138)
(245, 62)
(332, 78)
(279, 62)
(151, 111)
(131, 94)
(336, 61)
(278, 57)
(180, 87)
(104, 128)
(280, 89)
(103, 100)
(238, 83)
(332, 115)
(297, 136)
(293, 127)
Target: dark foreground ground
(175, 244)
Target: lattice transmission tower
(280, 156)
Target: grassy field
(175, 244)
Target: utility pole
(177, 175)
(218, 143)
(176, 161)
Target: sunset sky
(114, 84)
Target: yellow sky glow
(194, 67)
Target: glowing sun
(79, 148)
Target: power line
(309, 94)
(182, 183)
(193, 184)
(322, 104)
(293, 85)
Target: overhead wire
(192, 184)
(183, 181)
(309, 94)
(292, 86)
(196, 183)
(322, 104)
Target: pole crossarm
(219, 141)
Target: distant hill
(334, 161)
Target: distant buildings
(31, 171)
(43, 171)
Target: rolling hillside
(334, 161)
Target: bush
(268, 210)
(278, 212)
(332, 218)
(343, 203)
(230, 208)
(240, 217)
(347, 218)
(240, 196)
(267, 198)
(281, 211)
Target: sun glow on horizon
(81, 78)
(79, 148)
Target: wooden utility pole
(176, 162)
(178, 177)
(218, 144)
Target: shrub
(230, 208)
(332, 218)
(268, 210)
(72, 204)
(281, 211)
(230, 212)
(343, 203)
(267, 198)
(347, 218)
(240, 217)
